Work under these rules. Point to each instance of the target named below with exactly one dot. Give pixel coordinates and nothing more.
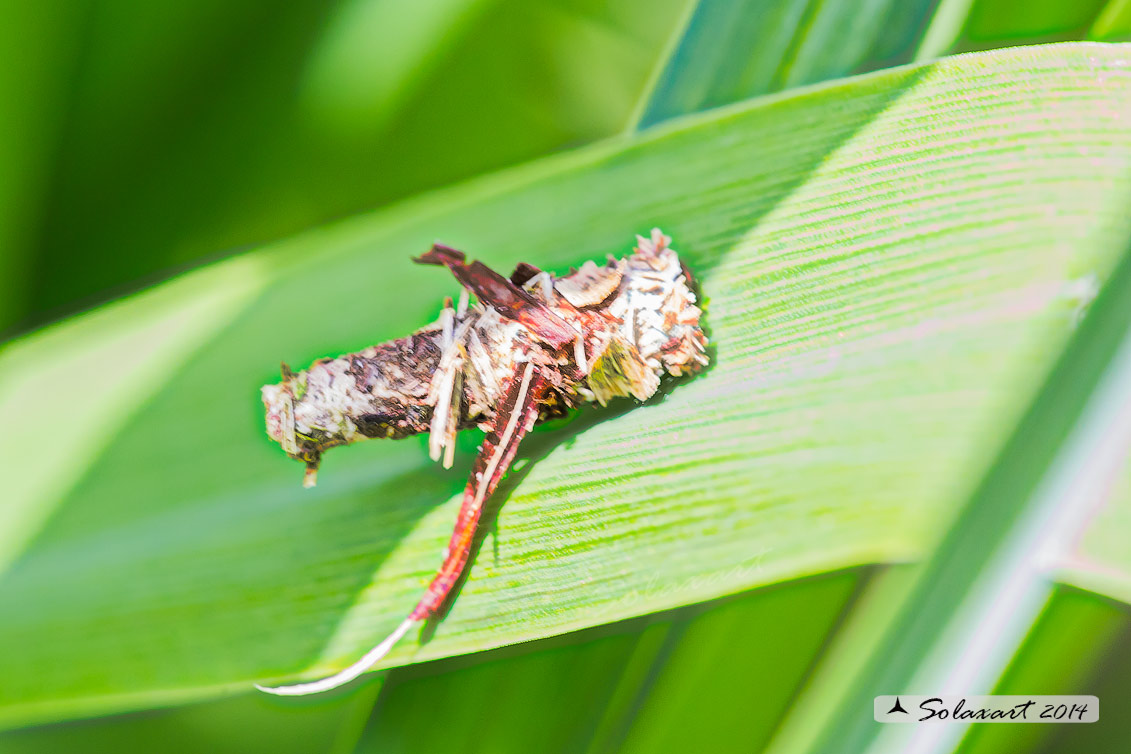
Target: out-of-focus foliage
(872, 355)
(1055, 660)
(966, 25)
(993, 23)
(1113, 23)
(249, 722)
(989, 577)
(137, 137)
(628, 688)
(732, 50)
(1102, 560)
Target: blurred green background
(139, 141)
(141, 138)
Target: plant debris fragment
(532, 347)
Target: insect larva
(531, 347)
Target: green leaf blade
(891, 265)
(731, 51)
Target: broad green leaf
(36, 55)
(1101, 560)
(699, 692)
(730, 51)
(1075, 635)
(1113, 22)
(1109, 679)
(946, 25)
(650, 684)
(966, 25)
(997, 22)
(352, 85)
(985, 584)
(248, 722)
(140, 343)
(844, 657)
(545, 697)
(891, 265)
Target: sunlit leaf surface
(891, 264)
